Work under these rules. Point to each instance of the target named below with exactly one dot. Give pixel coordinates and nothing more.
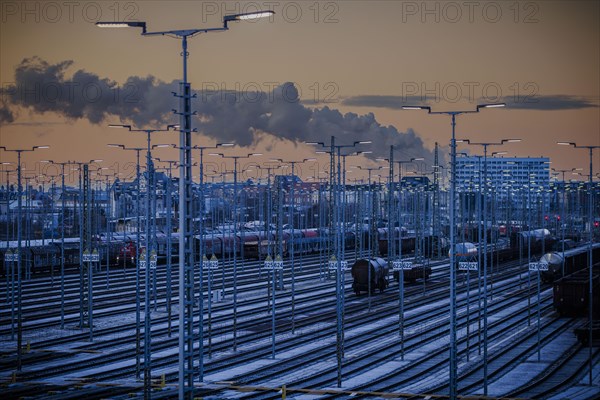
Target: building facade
(518, 183)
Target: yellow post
(162, 381)
(13, 378)
(28, 348)
(283, 390)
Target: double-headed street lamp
(335, 182)
(453, 370)
(137, 251)
(108, 212)
(201, 250)
(391, 162)
(149, 246)
(62, 236)
(335, 224)
(591, 237)
(483, 189)
(372, 227)
(86, 286)
(10, 278)
(235, 219)
(292, 236)
(19, 252)
(562, 212)
(391, 230)
(186, 262)
(169, 230)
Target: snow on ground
(530, 368)
(582, 390)
(520, 374)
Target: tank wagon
(379, 273)
(573, 259)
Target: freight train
(573, 260)
(571, 293)
(520, 243)
(121, 248)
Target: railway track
(106, 360)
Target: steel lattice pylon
(186, 256)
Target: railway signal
(142, 260)
(153, 259)
(92, 256)
(214, 262)
(95, 257)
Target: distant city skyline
(313, 70)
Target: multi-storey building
(516, 182)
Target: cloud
(227, 116)
(533, 102)
(391, 102)
(552, 102)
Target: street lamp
(19, 252)
(201, 251)
(235, 162)
(149, 246)
(292, 236)
(169, 230)
(391, 229)
(137, 252)
(591, 237)
(62, 235)
(483, 189)
(372, 228)
(186, 262)
(453, 114)
(10, 281)
(86, 270)
(335, 222)
(107, 218)
(562, 212)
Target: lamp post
(186, 262)
(10, 279)
(19, 252)
(336, 260)
(483, 189)
(235, 194)
(107, 218)
(149, 249)
(62, 239)
(591, 237)
(453, 114)
(201, 255)
(335, 181)
(85, 249)
(390, 239)
(562, 213)
(372, 227)
(137, 253)
(169, 230)
(291, 219)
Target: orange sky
(334, 51)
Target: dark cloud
(6, 115)
(391, 102)
(552, 102)
(227, 116)
(43, 87)
(533, 102)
